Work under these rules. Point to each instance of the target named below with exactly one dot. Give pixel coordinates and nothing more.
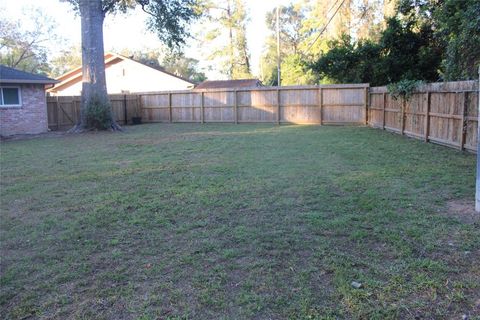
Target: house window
(10, 97)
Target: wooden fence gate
(64, 111)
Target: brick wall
(30, 118)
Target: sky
(129, 30)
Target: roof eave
(77, 72)
(28, 81)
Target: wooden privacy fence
(445, 113)
(334, 104)
(331, 104)
(64, 111)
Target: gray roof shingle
(220, 84)
(10, 75)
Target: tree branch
(22, 56)
(143, 4)
(109, 6)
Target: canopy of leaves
(293, 61)
(23, 43)
(295, 71)
(459, 26)
(173, 62)
(348, 62)
(184, 67)
(168, 19)
(403, 88)
(306, 29)
(291, 19)
(66, 60)
(225, 37)
(402, 52)
(428, 40)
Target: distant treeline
(377, 41)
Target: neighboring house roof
(75, 75)
(10, 75)
(218, 84)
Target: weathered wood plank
(427, 119)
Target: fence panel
(257, 105)
(300, 105)
(343, 105)
(445, 118)
(218, 106)
(444, 113)
(63, 112)
(186, 107)
(118, 104)
(376, 109)
(414, 116)
(155, 107)
(471, 121)
(393, 110)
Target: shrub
(98, 114)
(403, 88)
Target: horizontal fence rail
(444, 113)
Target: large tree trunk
(95, 112)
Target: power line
(326, 25)
(331, 8)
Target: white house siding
(130, 76)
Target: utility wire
(331, 8)
(326, 25)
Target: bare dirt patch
(464, 210)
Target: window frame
(19, 90)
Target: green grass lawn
(237, 222)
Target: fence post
(125, 108)
(193, 112)
(384, 107)
(170, 108)
(320, 103)
(75, 113)
(235, 107)
(278, 106)
(427, 117)
(139, 111)
(202, 115)
(402, 115)
(464, 122)
(366, 105)
(57, 106)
